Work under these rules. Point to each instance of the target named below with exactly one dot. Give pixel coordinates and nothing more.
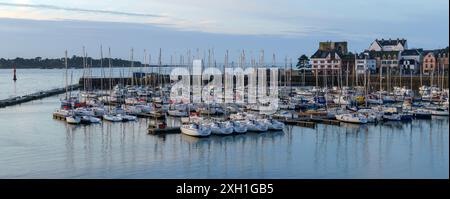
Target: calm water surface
(33, 80)
(33, 145)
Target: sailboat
(352, 118)
(273, 124)
(109, 116)
(195, 130)
(222, 128)
(72, 119)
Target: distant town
(390, 55)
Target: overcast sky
(45, 28)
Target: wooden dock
(59, 116)
(299, 123)
(151, 115)
(34, 96)
(325, 121)
(167, 130)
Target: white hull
(439, 113)
(196, 132)
(239, 127)
(127, 117)
(221, 129)
(112, 118)
(257, 127)
(351, 119)
(73, 120)
(177, 113)
(90, 119)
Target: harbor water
(33, 145)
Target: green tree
(303, 62)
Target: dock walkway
(34, 96)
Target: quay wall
(295, 80)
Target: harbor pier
(34, 96)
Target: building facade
(429, 62)
(364, 62)
(388, 45)
(326, 62)
(386, 60)
(442, 58)
(411, 59)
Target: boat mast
(365, 81)
(110, 79)
(144, 65)
(84, 69)
(65, 63)
(101, 67)
(346, 76)
(381, 82)
(132, 67)
(290, 76)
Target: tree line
(72, 62)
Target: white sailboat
(256, 126)
(90, 119)
(439, 112)
(195, 130)
(177, 113)
(239, 127)
(71, 119)
(351, 118)
(221, 128)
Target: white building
(326, 61)
(411, 59)
(388, 45)
(365, 62)
(408, 65)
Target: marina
(416, 149)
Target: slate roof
(412, 52)
(386, 54)
(390, 42)
(321, 54)
(364, 55)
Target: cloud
(52, 7)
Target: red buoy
(14, 78)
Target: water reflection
(418, 149)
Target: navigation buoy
(14, 78)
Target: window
(322, 61)
(329, 61)
(315, 62)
